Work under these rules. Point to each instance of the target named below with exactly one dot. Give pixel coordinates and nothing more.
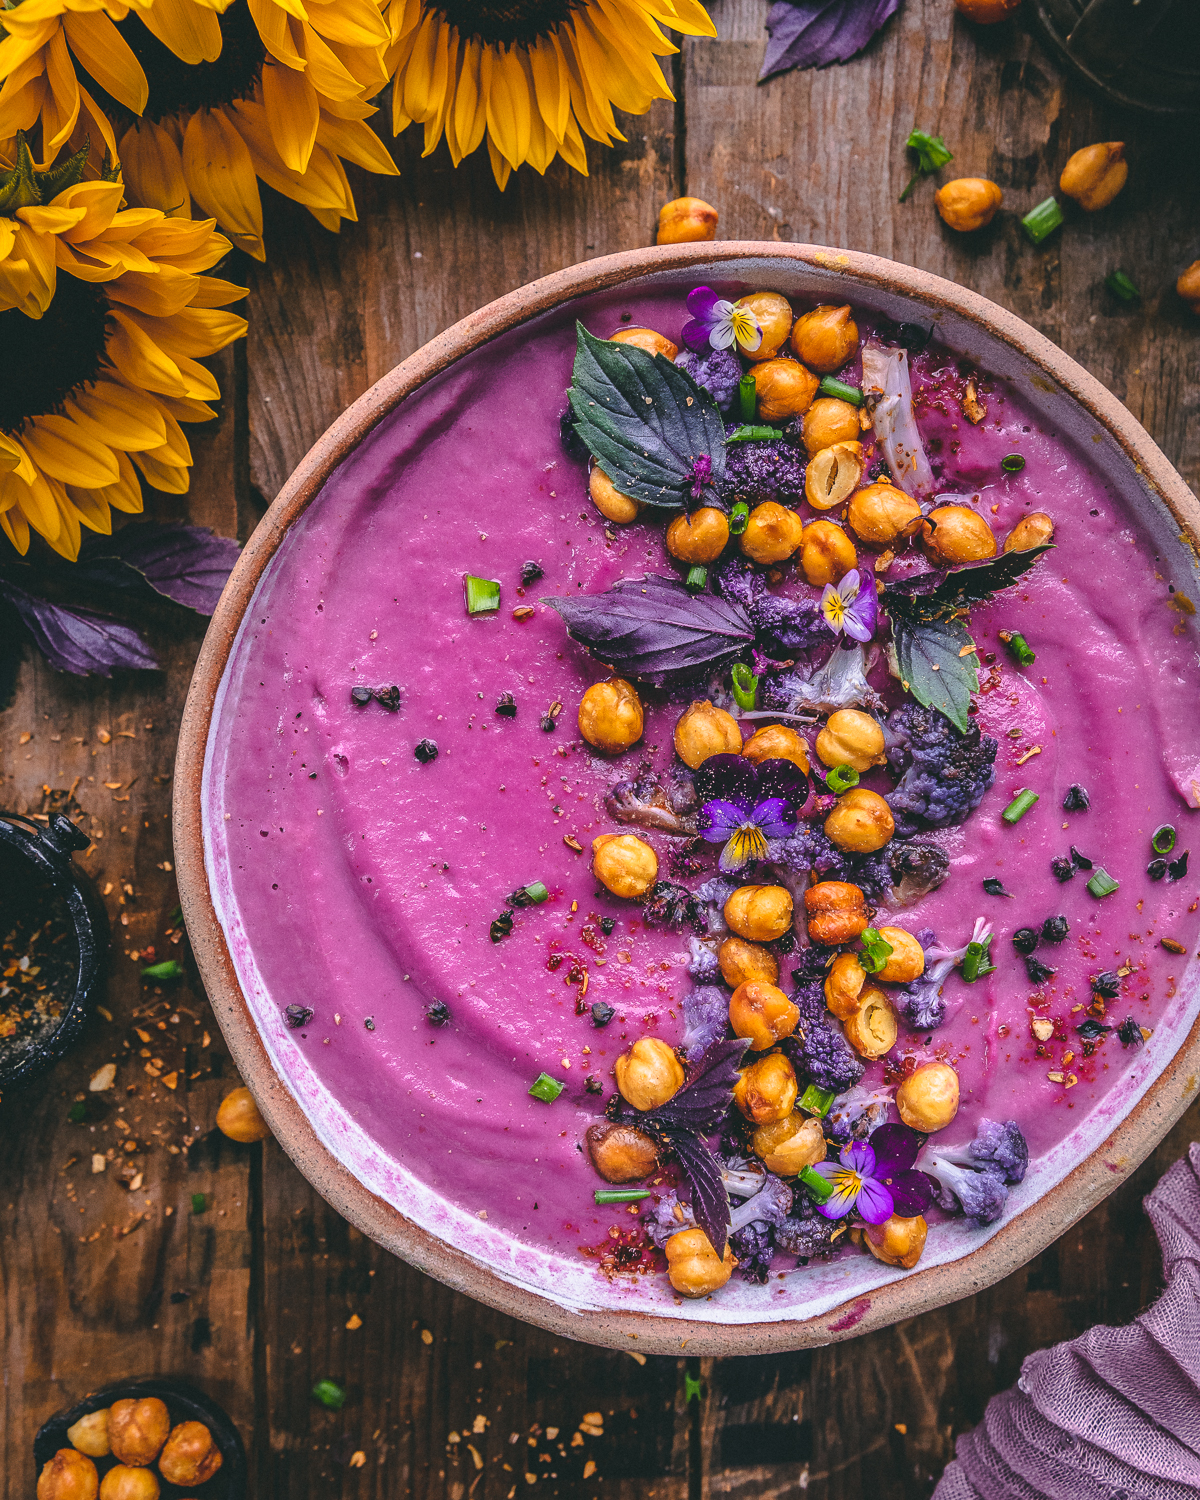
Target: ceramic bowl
(851, 1294)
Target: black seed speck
(1177, 869)
(602, 1013)
(1130, 1033)
(297, 1016)
(1038, 971)
(593, 1084)
(425, 751)
(1156, 869)
(1077, 799)
(607, 924)
(531, 572)
(1081, 861)
(438, 1013)
(1107, 983)
(1092, 1028)
(501, 927)
(1055, 929)
(1024, 940)
(1062, 868)
(361, 695)
(995, 887)
(506, 706)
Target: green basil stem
(820, 1188)
(1043, 220)
(747, 397)
(1019, 806)
(974, 958)
(1102, 884)
(840, 779)
(1121, 286)
(199, 1203)
(482, 594)
(831, 387)
(876, 951)
(815, 1101)
(745, 686)
(696, 578)
(738, 517)
(1020, 650)
(545, 1088)
(931, 154)
(329, 1394)
(752, 434)
(1164, 839)
(169, 969)
(621, 1195)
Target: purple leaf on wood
(815, 33)
(188, 564)
(710, 1201)
(76, 640)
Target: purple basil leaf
(76, 640)
(652, 628)
(710, 1201)
(704, 1100)
(815, 33)
(188, 564)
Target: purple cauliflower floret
(980, 1194)
(857, 1113)
(945, 773)
(817, 1048)
(662, 1220)
(769, 1205)
(742, 1177)
(807, 849)
(754, 1249)
(703, 966)
(718, 372)
(710, 904)
(998, 1146)
(805, 1233)
(757, 472)
(920, 1003)
(792, 624)
(705, 1017)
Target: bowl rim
(1109, 1163)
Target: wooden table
(268, 1290)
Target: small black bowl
(39, 881)
(184, 1404)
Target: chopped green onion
(1164, 839)
(696, 578)
(529, 895)
(329, 1394)
(820, 1187)
(693, 1389)
(1102, 884)
(931, 154)
(1020, 650)
(545, 1088)
(974, 957)
(1120, 286)
(621, 1195)
(753, 434)
(199, 1203)
(170, 969)
(77, 1113)
(747, 397)
(841, 778)
(738, 517)
(745, 686)
(1019, 806)
(1042, 220)
(831, 387)
(1012, 463)
(817, 1101)
(876, 951)
(482, 594)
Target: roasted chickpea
(897, 1241)
(761, 1012)
(191, 1457)
(624, 864)
(968, 203)
(928, 1098)
(741, 961)
(833, 475)
(825, 338)
(861, 822)
(836, 912)
(703, 730)
(90, 1434)
(881, 514)
(759, 913)
(620, 1153)
(828, 421)
(700, 537)
(826, 553)
(851, 738)
(68, 1476)
(1095, 175)
(766, 1090)
(872, 1029)
(1188, 286)
(239, 1119)
(906, 961)
(123, 1483)
(786, 1147)
(776, 742)
(772, 533)
(647, 339)
(693, 1266)
(957, 534)
(138, 1429)
(1034, 530)
(844, 983)
(774, 314)
(686, 220)
(610, 715)
(609, 501)
(987, 12)
(784, 388)
(648, 1074)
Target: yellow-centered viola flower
(534, 76)
(200, 100)
(104, 315)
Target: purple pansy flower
(719, 323)
(876, 1178)
(744, 805)
(852, 606)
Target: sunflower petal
(293, 114)
(276, 34)
(192, 32)
(162, 476)
(126, 494)
(36, 503)
(64, 451)
(165, 293)
(213, 292)
(117, 414)
(62, 108)
(15, 528)
(142, 364)
(221, 174)
(353, 23)
(92, 509)
(14, 459)
(357, 142)
(107, 57)
(193, 332)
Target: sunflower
(208, 98)
(103, 317)
(535, 75)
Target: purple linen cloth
(1114, 1414)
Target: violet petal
(875, 1203)
(895, 1148)
(723, 819)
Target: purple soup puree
(366, 882)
